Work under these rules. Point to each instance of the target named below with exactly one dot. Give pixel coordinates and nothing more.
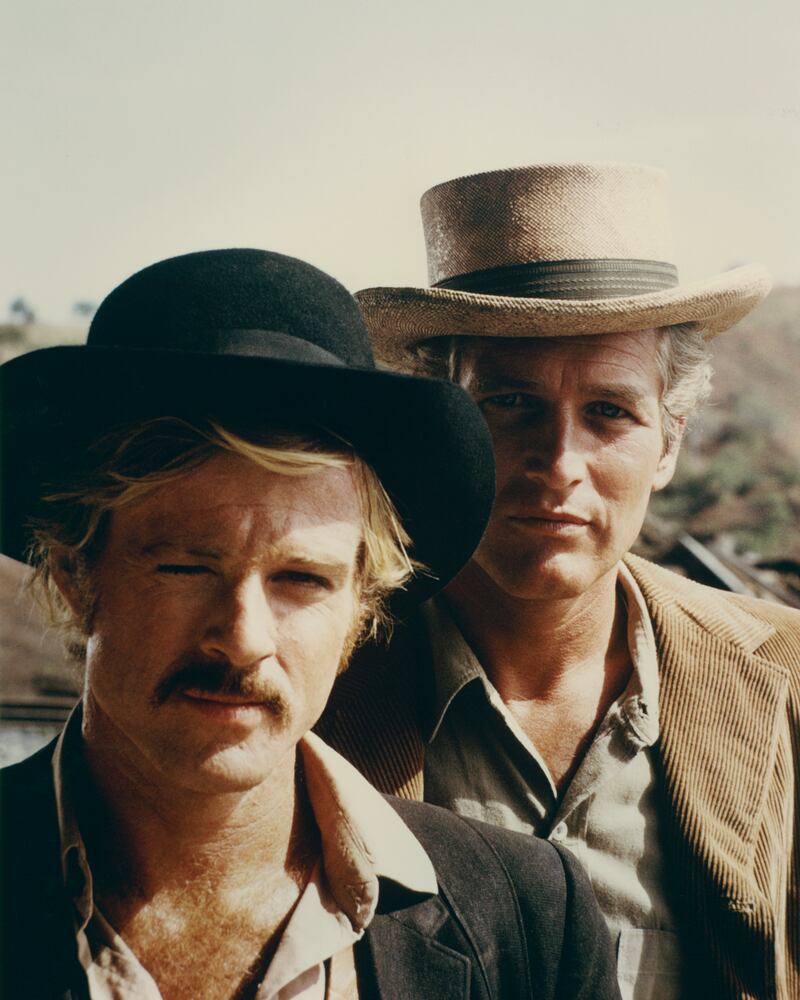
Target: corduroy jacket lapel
(719, 704)
(721, 708)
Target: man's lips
(219, 698)
(551, 516)
(553, 523)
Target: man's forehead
(229, 483)
(231, 498)
(215, 535)
(521, 358)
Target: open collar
(364, 842)
(455, 665)
(363, 838)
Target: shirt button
(559, 832)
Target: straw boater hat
(552, 250)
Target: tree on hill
(21, 311)
(85, 309)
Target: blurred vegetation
(738, 475)
(738, 480)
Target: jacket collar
(712, 610)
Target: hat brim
(401, 318)
(425, 439)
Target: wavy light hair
(132, 461)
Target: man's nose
(243, 627)
(558, 453)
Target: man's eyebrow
(492, 382)
(176, 546)
(615, 390)
(330, 565)
(496, 383)
(322, 564)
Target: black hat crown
(261, 338)
(224, 301)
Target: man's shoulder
(735, 617)
(36, 954)
(441, 829)
(514, 864)
(27, 779)
(526, 904)
(28, 816)
(379, 708)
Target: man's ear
(69, 578)
(665, 469)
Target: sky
(137, 131)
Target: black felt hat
(249, 333)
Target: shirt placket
(615, 744)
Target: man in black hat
(215, 495)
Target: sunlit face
(577, 437)
(224, 603)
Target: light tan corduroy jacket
(728, 754)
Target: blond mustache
(220, 678)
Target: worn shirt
(362, 839)
(481, 764)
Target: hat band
(568, 279)
(270, 345)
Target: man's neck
(533, 646)
(557, 664)
(144, 833)
(190, 879)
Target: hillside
(738, 477)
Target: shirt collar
(363, 838)
(455, 664)
(75, 870)
(363, 841)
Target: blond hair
(132, 461)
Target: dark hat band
(568, 279)
(270, 344)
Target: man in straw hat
(209, 493)
(561, 686)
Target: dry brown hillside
(738, 477)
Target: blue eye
(509, 400)
(609, 410)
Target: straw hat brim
(400, 318)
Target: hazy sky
(133, 131)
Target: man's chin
(561, 578)
(220, 766)
(224, 771)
